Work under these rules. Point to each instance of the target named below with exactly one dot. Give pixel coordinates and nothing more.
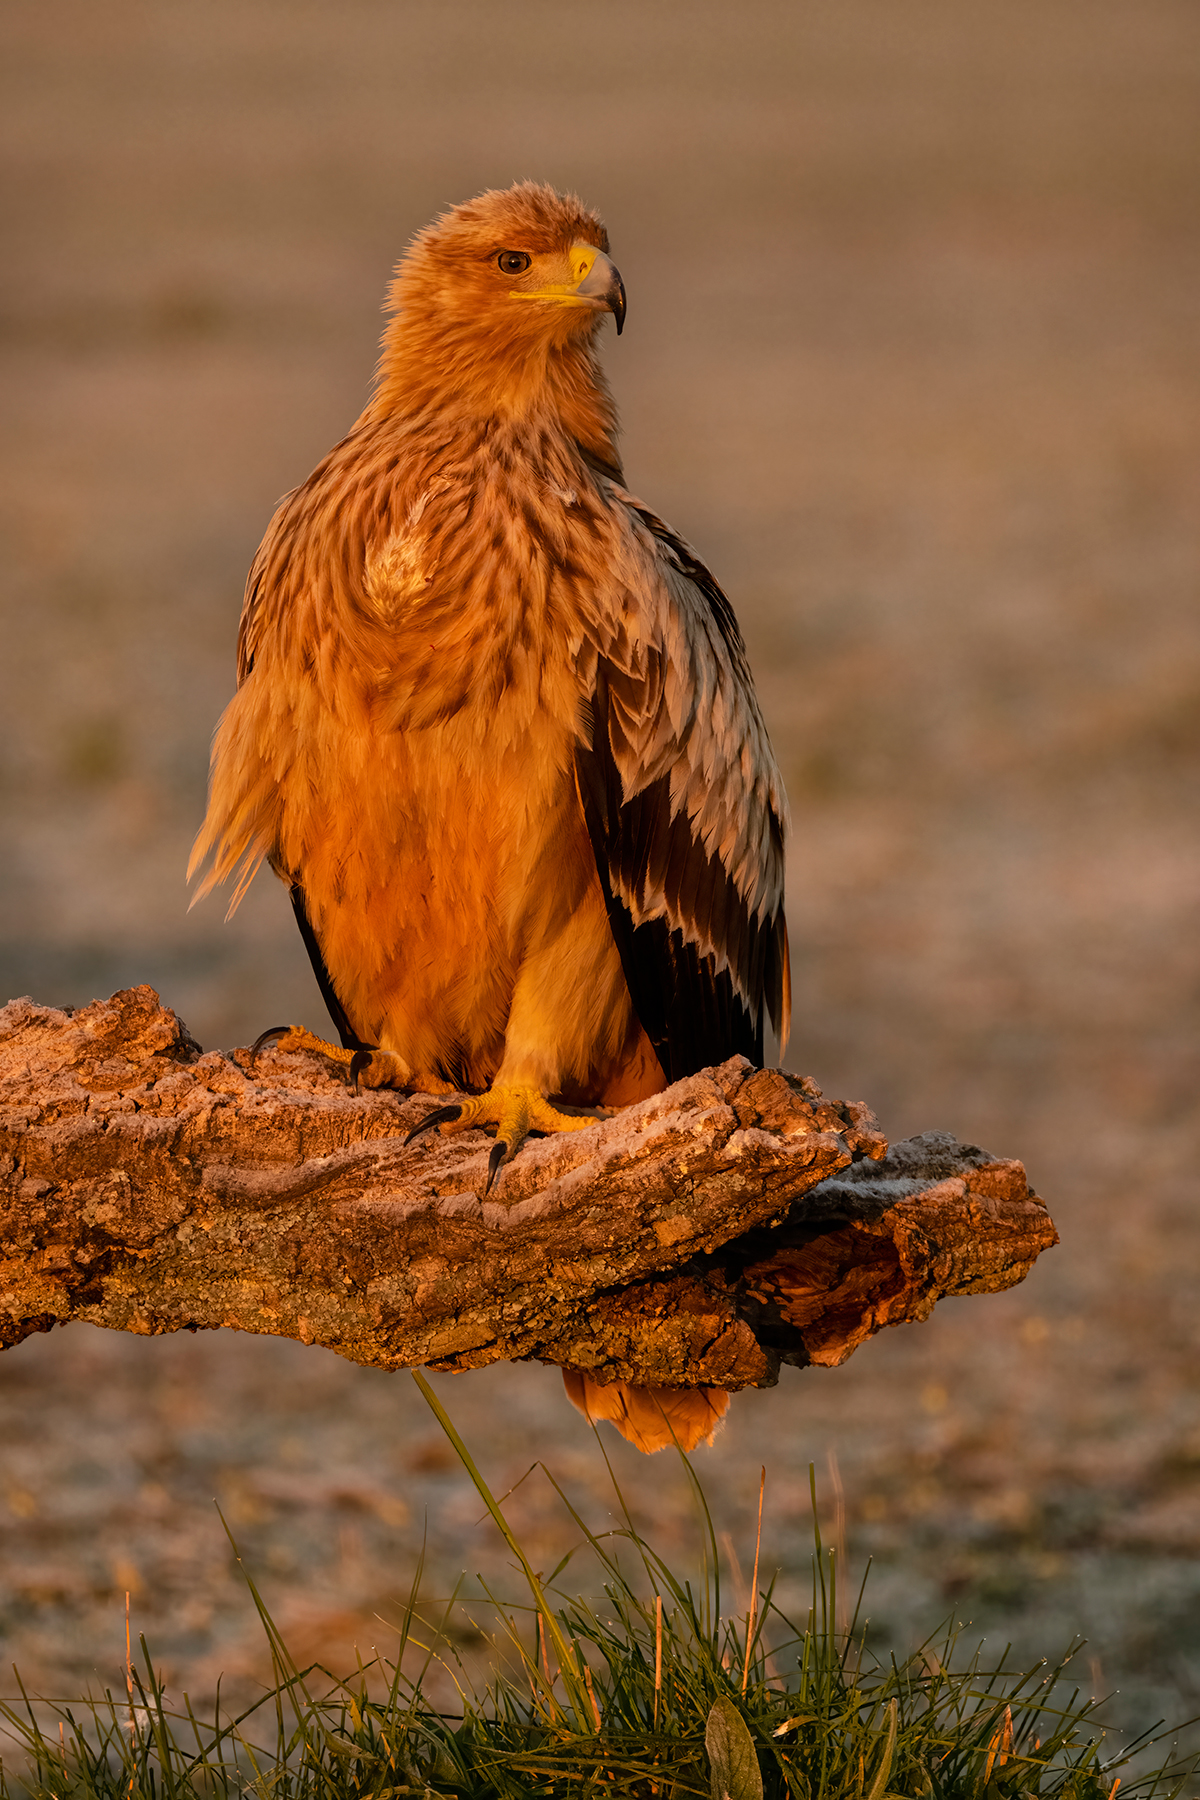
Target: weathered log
(734, 1222)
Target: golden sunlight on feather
(496, 731)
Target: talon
(515, 1109)
(267, 1037)
(495, 1164)
(441, 1115)
(357, 1064)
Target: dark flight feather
(337, 1012)
(694, 1012)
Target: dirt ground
(912, 358)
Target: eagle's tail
(652, 1418)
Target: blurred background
(912, 358)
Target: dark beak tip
(618, 306)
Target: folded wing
(685, 810)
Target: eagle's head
(496, 289)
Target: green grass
(657, 1695)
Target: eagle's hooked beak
(603, 282)
(594, 280)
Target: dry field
(912, 357)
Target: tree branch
(732, 1223)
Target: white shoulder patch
(401, 568)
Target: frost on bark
(737, 1221)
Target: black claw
(265, 1037)
(441, 1115)
(495, 1164)
(358, 1063)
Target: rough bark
(737, 1221)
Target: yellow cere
(583, 257)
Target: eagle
(496, 732)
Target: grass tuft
(658, 1695)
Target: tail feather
(651, 1418)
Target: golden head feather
(495, 300)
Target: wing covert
(684, 807)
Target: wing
(337, 1012)
(269, 572)
(684, 806)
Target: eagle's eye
(514, 262)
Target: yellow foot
(366, 1068)
(515, 1110)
